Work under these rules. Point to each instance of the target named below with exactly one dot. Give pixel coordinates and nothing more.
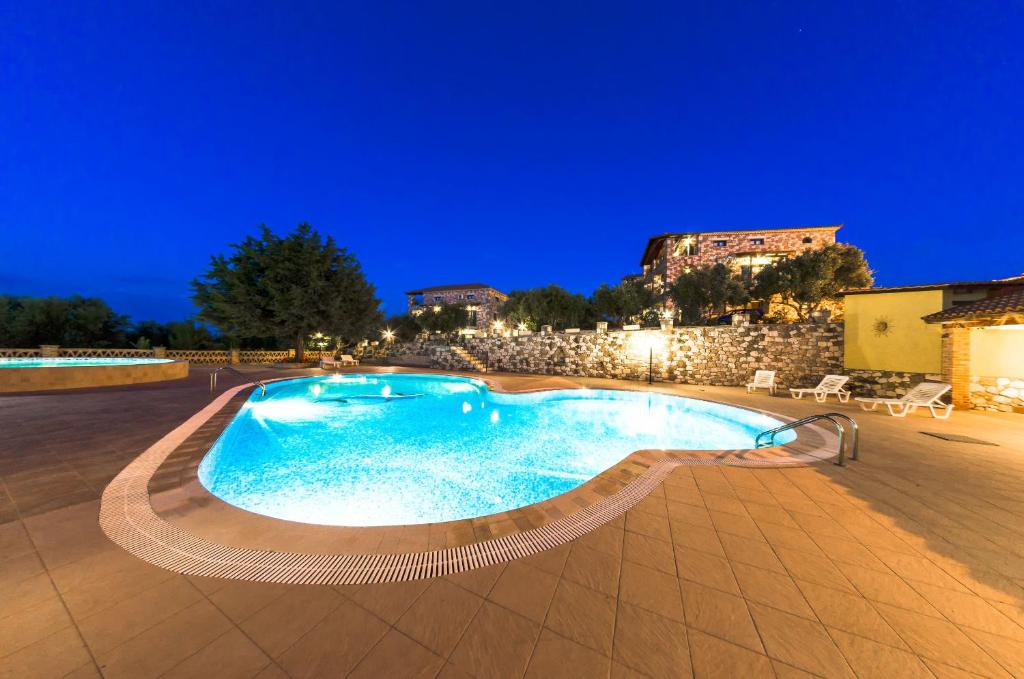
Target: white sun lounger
(924, 395)
(341, 361)
(830, 384)
(763, 379)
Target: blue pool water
(74, 362)
(371, 450)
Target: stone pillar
(49, 350)
(545, 329)
(956, 363)
(666, 324)
(159, 352)
(602, 327)
(234, 356)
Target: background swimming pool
(399, 449)
(69, 362)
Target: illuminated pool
(68, 362)
(371, 450)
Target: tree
(447, 319)
(706, 291)
(155, 333)
(72, 322)
(191, 335)
(404, 326)
(552, 306)
(288, 288)
(628, 302)
(804, 282)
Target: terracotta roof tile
(1010, 302)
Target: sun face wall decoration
(882, 326)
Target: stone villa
(481, 301)
(748, 251)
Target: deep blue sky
(511, 143)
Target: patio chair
(924, 395)
(339, 362)
(830, 384)
(763, 379)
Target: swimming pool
(373, 450)
(69, 362)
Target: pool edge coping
(128, 517)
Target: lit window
(686, 246)
(757, 241)
(437, 298)
(718, 243)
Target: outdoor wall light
(644, 345)
(388, 334)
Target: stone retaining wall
(887, 383)
(1004, 394)
(719, 355)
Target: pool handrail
(830, 417)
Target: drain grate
(957, 438)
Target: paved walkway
(908, 563)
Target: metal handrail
(213, 375)
(840, 430)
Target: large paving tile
(335, 645)
(439, 617)
(799, 642)
(29, 625)
(940, 640)
(650, 643)
(872, 659)
(113, 625)
(159, 648)
(556, 656)
(713, 657)
(56, 655)
(281, 623)
(651, 589)
(525, 590)
(583, 615)
(720, 614)
(230, 656)
(498, 643)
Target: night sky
(515, 144)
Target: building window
(686, 246)
(757, 241)
(471, 297)
(718, 243)
(437, 298)
(808, 240)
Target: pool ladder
(829, 417)
(216, 371)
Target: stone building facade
(481, 301)
(747, 251)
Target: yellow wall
(910, 345)
(997, 352)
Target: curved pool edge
(385, 554)
(68, 377)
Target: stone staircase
(468, 358)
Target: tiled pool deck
(907, 563)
